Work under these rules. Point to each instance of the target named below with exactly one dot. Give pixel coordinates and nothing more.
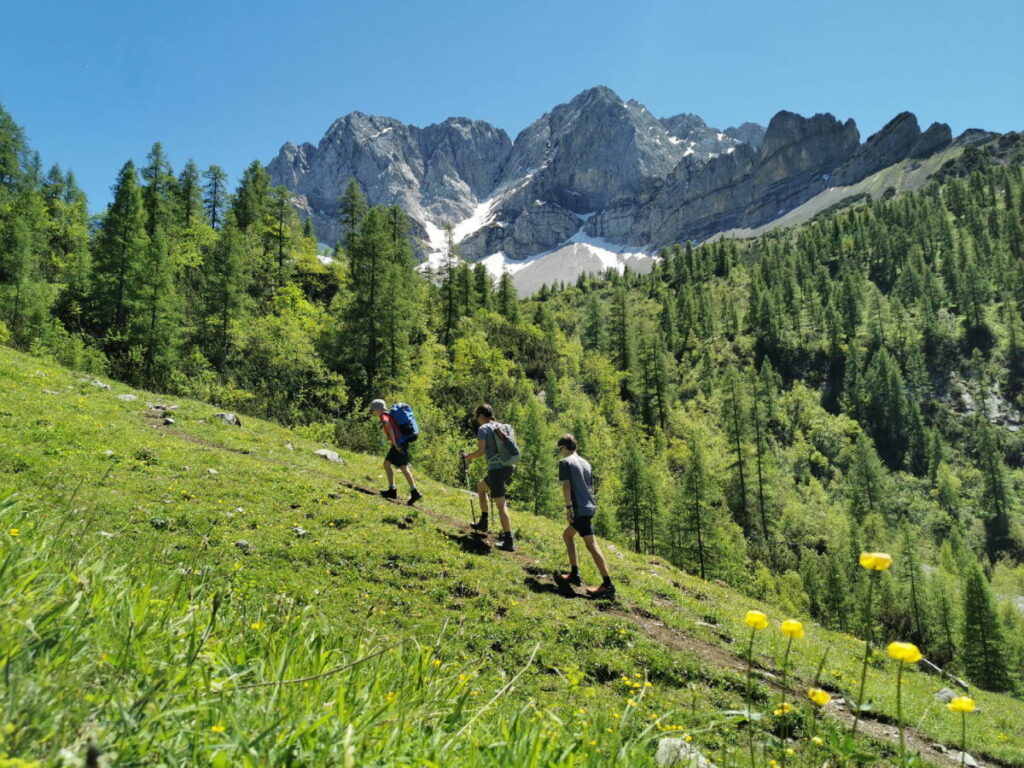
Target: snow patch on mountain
(580, 254)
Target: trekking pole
(469, 492)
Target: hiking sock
(574, 570)
(607, 582)
(391, 487)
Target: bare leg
(569, 537)
(481, 492)
(408, 475)
(595, 552)
(388, 471)
(506, 521)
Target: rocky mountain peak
(748, 133)
(592, 174)
(821, 132)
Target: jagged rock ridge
(597, 172)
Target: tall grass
(178, 674)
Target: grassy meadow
(201, 594)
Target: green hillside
(136, 620)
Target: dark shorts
(497, 479)
(397, 458)
(583, 525)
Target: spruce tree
(215, 195)
(536, 479)
(156, 316)
(735, 408)
(982, 646)
(637, 503)
(224, 294)
(118, 260)
(352, 209)
(252, 199)
(483, 286)
(867, 482)
(189, 196)
(594, 333)
(449, 291)
(508, 301)
(24, 295)
(160, 190)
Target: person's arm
(566, 478)
(480, 446)
(389, 430)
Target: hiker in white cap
(398, 437)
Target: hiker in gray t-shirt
(580, 507)
(499, 472)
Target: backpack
(403, 417)
(508, 450)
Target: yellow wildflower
(792, 628)
(875, 561)
(818, 696)
(218, 728)
(756, 620)
(817, 740)
(906, 652)
(961, 704)
(257, 625)
(14, 531)
(687, 738)
(783, 709)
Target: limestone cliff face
(435, 173)
(744, 187)
(595, 167)
(887, 147)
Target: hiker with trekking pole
(400, 428)
(497, 442)
(580, 507)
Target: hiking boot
(391, 493)
(571, 578)
(480, 527)
(416, 496)
(604, 592)
(505, 543)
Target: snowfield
(580, 254)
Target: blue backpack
(405, 420)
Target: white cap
(377, 405)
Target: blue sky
(226, 81)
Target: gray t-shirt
(576, 470)
(486, 433)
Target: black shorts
(583, 525)
(397, 458)
(497, 479)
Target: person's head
(378, 406)
(566, 445)
(484, 413)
